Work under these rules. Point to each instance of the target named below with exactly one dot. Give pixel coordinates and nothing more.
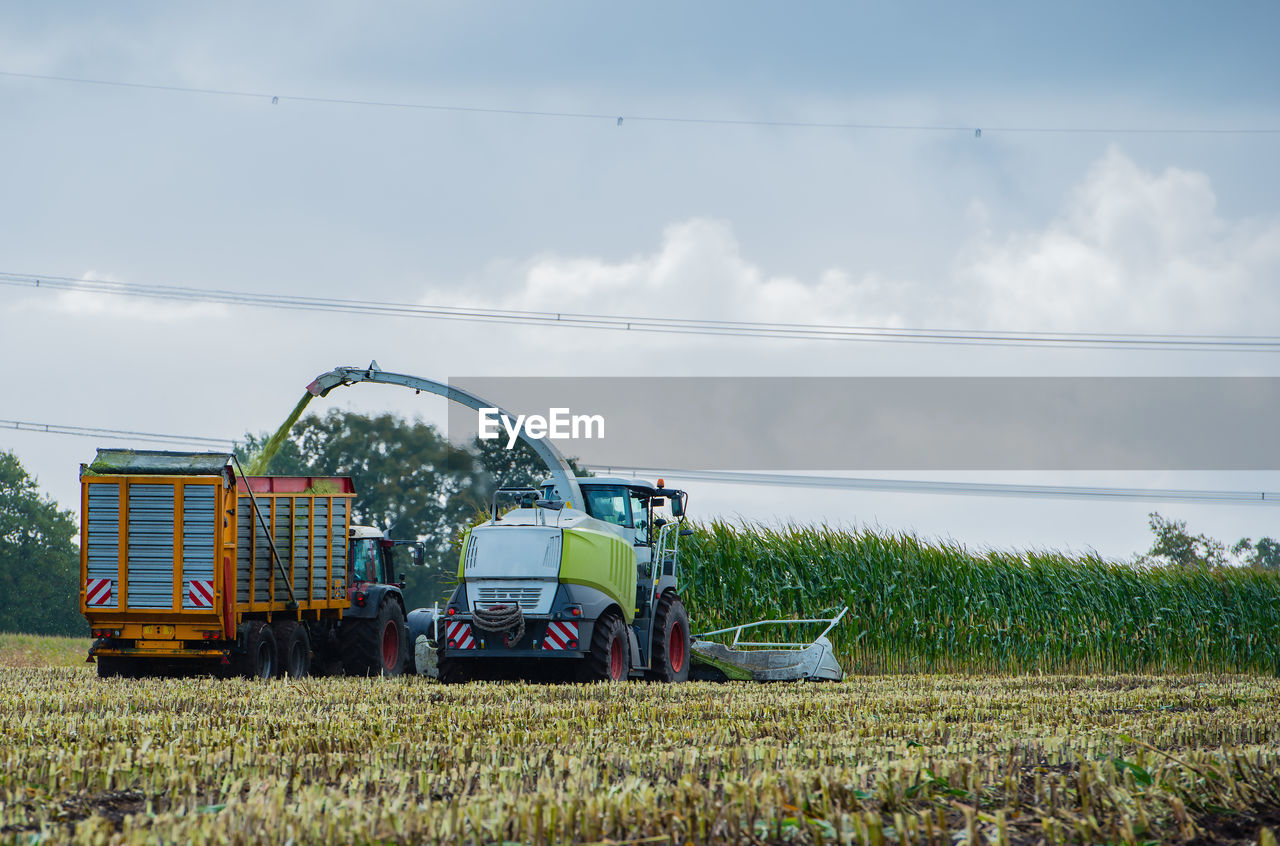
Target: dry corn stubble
(906, 759)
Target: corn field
(919, 607)
(895, 759)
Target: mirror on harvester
(677, 506)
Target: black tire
(294, 657)
(610, 657)
(325, 657)
(116, 666)
(670, 658)
(375, 647)
(261, 656)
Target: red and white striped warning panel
(458, 635)
(200, 593)
(561, 635)
(97, 592)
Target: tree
(1264, 554)
(1176, 546)
(39, 563)
(410, 482)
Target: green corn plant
(922, 607)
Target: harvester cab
(545, 588)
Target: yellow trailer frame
(170, 622)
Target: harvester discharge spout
(561, 473)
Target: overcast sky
(1064, 231)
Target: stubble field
(876, 759)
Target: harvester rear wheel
(610, 656)
(295, 649)
(375, 647)
(670, 660)
(260, 659)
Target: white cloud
(1130, 251)
(698, 271)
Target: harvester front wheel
(670, 661)
(295, 649)
(375, 647)
(610, 656)
(260, 658)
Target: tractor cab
(372, 555)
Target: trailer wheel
(295, 649)
(670, 659)
(260, 657)
(326, 657)
(111, 666)
(375, 647)
(610, 656)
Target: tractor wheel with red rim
(610, 656)
(670, 661)
(375, 647)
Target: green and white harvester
(580, 579)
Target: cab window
(607, 504)
(364, 559)
(640, 518)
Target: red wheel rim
(675, 649)
(390, 645)
(615, 659)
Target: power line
(911, 486)
(114, 434)
(664, 325)
(618, 118)
(733, 477)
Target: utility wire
(664, 325)
(114, 434)
(733, 477)
(619, 117)
(910, 486)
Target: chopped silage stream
(259, 463)
(906, 759)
